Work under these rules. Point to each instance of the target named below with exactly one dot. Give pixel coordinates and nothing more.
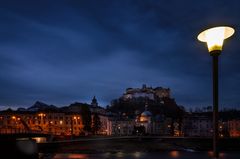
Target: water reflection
(70, 156)
(107, 155)
(221, 155)
(142, 155)
(120, 154)
(174, 154)
(40, 139)
(138, 154)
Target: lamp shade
(214, 37)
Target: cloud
(67, 51)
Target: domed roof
(146, 113)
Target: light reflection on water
(120, 154)
(138, 154)
(143, 155)
(174, 154)
(71, 156)
(221, 155)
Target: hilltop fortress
(146, 92)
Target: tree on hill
(86, 118)
(96, 125)
(166, 106)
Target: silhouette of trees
(96, 125)
(86, 118)
(165, 106)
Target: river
(143, 155)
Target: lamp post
(214, 38)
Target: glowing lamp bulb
(214, 37)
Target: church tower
(94, 102)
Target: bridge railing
(20, 131)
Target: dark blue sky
(60, 51)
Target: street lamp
(214, 37)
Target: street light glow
(214, 37)
(41, 114)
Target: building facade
(121, 126)
(234, 128)
(196, 125)
(43, 122)
(154, 125)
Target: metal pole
(215, 105)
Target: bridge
(18, 126)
